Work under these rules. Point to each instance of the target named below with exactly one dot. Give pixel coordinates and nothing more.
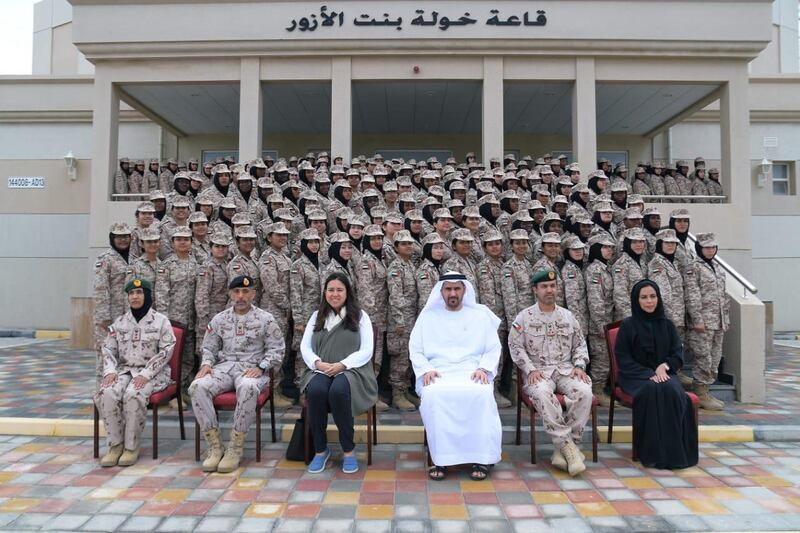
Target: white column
(735, 137)
(492, 109)
(341, 109)
(584, 116)
(250, 110)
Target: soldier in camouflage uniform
(136, 354)
(274, 266)
(709, 317)
(305, 290)
(146, 265)
(640, 185)
(110, 272)
(490, 288)
(211, 290)
(243, 263)
(373, 292)
(241, 345)
(429, 270)
(551, 249)
(442, 224)
(600, 303)
(462, 260)
(713, 185)
(574, 282)
(150, 178)
(176, 280)
(680, 220)
(341, 254)
(402, 314)
(121, 176)
(145, 216)
(179, 218)
(516, 277)
(225, 214)
(628, 269)
(201, 248)
(167, 176)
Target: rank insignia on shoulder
(657, 270)
(483, 270)
(395, 274)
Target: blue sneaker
(319, 461)
(350, 464)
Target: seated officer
(241, 344)
(547, 344)
(135, 356)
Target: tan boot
(128, 457)
(111, 458)
(214, 451)
(686, 381)
(603, 399)
(558, 460)
(499, 399)
(400, 401)
(574, 458)
(233, 455)
(381, 406)
(281, 401)
(412, 398)
(707, 402)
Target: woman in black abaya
(649, 354)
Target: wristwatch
(263, 365)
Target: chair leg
(428, 460)
(610, 419)
(634, 455)
(180, 415)
(306, 436)
(374, 425)
(519, 422)
(155, 432)
(271, 400)
(258, 434)
(369, 437)
(196, 440)
(533, 435)
(96, 433)
(595, 436)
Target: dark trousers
(325, 394)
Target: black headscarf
(681, 236)
(576, 197)
(593, 185)
(486, 212)
(577, 263)
(597, 220)
(628, 249)
(427, 251)
(365, 246)
(596, 254)
(161, 214)
(338, 193)
(221, 216)
(138, 314)
(660, 250)
(651, 330)
(407, 225)
(646, 224)
(223, 190)
(120, 251)
(333, 253)
(312, 256)
(699, 250)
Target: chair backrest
(611, 331)
(175, 358)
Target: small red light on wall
(416, 69)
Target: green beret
(543, 275)
(138, 283)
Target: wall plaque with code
(25, 182)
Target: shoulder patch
(209, 329)
(295, 270)
(237, 267)
(99, 264)
(516, 326)
(112, 331)
(423, 275)
(571, 275)
(166, 337)
(483, 270)
(395, 274)
(617, 269)
(201, 273)
(162, 270)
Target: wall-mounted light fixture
(764, 169)
(72, 166)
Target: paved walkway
(51, 483)
(51, 380)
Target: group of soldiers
(392, 227)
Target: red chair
(528, 401)
(372, 418)
(159, 398)
(227, 402)
(624, 398)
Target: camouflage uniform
(150, 178)
(707, 304)
(426, 276)
(402, 313)
(234, 344)
(305, 293)
(167, 178)
(600, 303)
(334, 266)
(464, 265)
(626, 273)
(110, 301)
(211, 293)
(133, 349)
(670, 282)
(515, 284)
(176, 280)
(575, 287)
(121, 178)
(553, 344)
(490, 276)
(373, 293)
(545, 264)
(274, 266)
(244, 265)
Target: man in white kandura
(454, 349)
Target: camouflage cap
(472, 212)
(635, 234)
(357, 220)
(258, 163)
(403, 236)
(551, 237)
(707, 240)
(583, 219)
(404, 181)
(195, 176)
(146, 207)
(560, 199)
(539, 161)
(492, 235)
(572, 243)
(390, 186)
(522, 215)
(393, 217)
(461, 234)
(243, 176)
(432, 238)
(322, 178)
(220, 239)
(454, 203)
(458, 185)
(488, 199)
(309, 235)
(635, 199)
(280, 166)
(198, 216)
(599, 174)
(157, 195)
(580, 187)
(680, 213)
(291, 184)
(221, 168)
(485, 187)
(682, 163)
(519, 235)
(619, 186)
(414, 214)
(442, 212)
(551, 216)
(265, 183)
(667, 235)
(240, 219)
(245, 232)
(181, 175)
(574, 167)
(407, 197)
(275, 198)
(671, 166)
(229, 203)
(284, 213)
(545, 169)
(309, 196)
(632, 213)
(603, 207)
(124, 160)
(641, 170)
(181, 231)
(317, 214)
(651, 211)
(714, 171)
(542, 190)
(535, 204)
(149, 234)
(603, 239)
(431, 200)
(509, 195)
(181, 201)
(172, 161)
(277, 227)
(373, 230)
(378, 212)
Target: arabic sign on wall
(330, 18)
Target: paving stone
(217, 524)
(178, 524)
(104, 522)
(141, 523)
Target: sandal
(437, 473)
(479, 472)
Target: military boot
(214, 452)
(499, 399)
(685, 380)
(129, 457)
(558, 460)
(280, 400)
(574, 458)
(111, 458)
(598, 389)
(413, 398)
(233, 455)
(381, 406)
(400, 401)
(707, 402)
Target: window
(780, 179)
(211, 155)
(613, 156)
